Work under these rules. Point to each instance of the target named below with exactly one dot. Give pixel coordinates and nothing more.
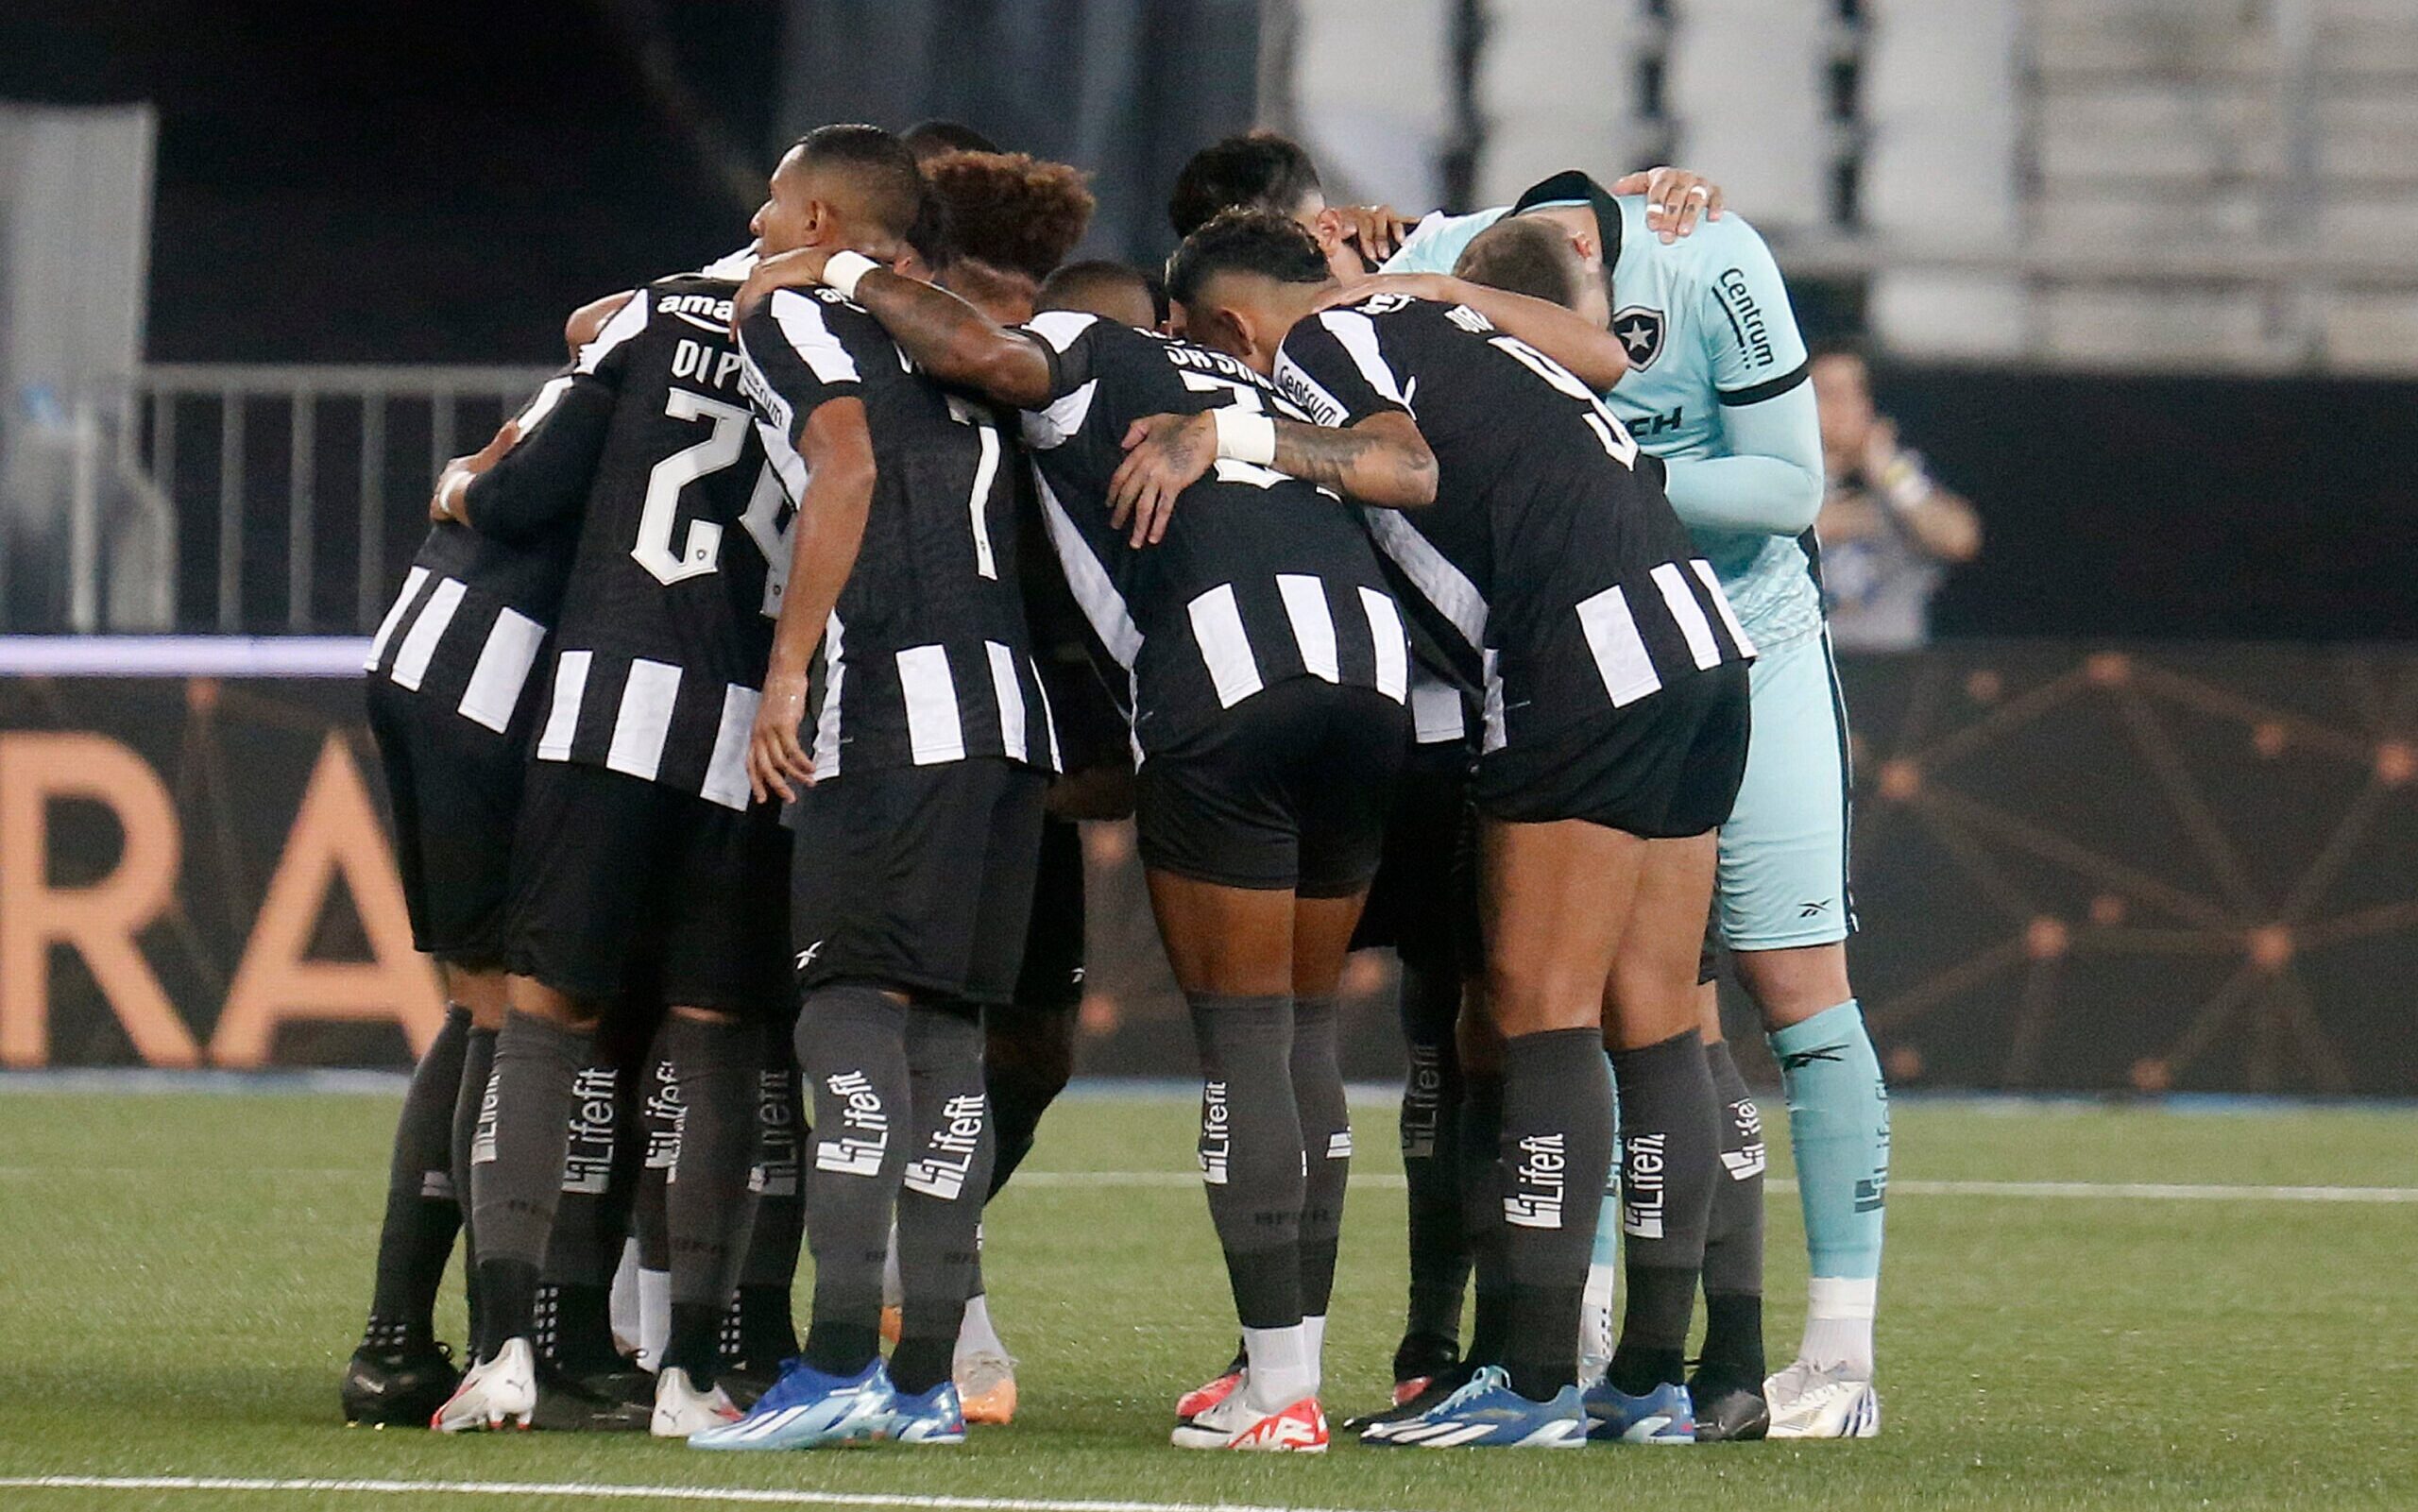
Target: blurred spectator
(1889, 534)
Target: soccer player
(918, 792)
(639, 864)
(1005, 221)
(1615, 729)
(448, 679)
(1422, 889)
(1267, 669)
(1716, 389)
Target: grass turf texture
(182, 1277)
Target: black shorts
(1053, 977)
(919, 877)
(455, 787)
(621, 886)
(1288, 790)
(1664, 768)
(1423, 903)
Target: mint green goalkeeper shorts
(1783, 877)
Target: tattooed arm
(1382, 461)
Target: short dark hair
(929, 139)
(1261, 171)
(1244, 240)
(1530, 257)
(1077, 284)
(1010, 210)
(879, 165)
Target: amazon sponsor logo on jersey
(702, 311)
(1746, 316)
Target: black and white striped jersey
(1561, 578)
(474, 611)
(926, 658)
(665, 625)
(1260, 577)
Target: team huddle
(1450, 589)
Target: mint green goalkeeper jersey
(1715, 388)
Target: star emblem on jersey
(1640, 331)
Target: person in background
(1889, 534)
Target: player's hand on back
(454, 483)
(1164, 454)
(798, 268)
(775, 759)
(1375, 231)
(1674, 199)
(1415, 286)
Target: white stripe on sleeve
(502, 671)
(1496, 736)
(645, 718)
(411, 663)
(933, 732)
(1218, 629)
(1313, 623)
(627, 321)
(562, 720)
(800, 318)
(1690, 614)
(726, 770)
(1358, 335)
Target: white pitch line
(606, 1490)
(1388, 1180)
(2051, 1191)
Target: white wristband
(1245, 436)
(843, 269)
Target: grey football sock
(478, 1068)
(1250, 1150)
(940, 1201)
(517, 1166)
(1326, 1146)
(422, 1212)
(1556, 1152)
(1670, 1145)
(1430, 1143)
(707, 1208)
(852, 1049)
(1733, 1242)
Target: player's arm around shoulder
(1769, 478)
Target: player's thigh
(589, 860)
(1783, 871)
(725, 943)
(1653, 993)
(1554, 897)
(1233, 941)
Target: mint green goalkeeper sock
(1838, 1124)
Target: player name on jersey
(1260, 577)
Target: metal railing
(361, 445)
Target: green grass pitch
(181, 1276)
